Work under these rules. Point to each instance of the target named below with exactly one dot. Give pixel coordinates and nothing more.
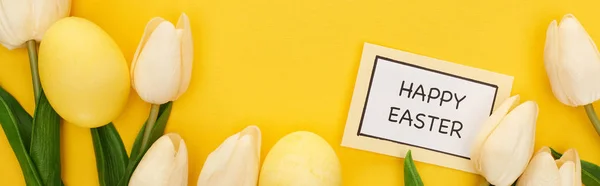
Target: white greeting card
(403, 101)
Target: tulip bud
(505, 142)
(572, 62)
(162, 65)
(24, 20)
(236, 162)
(544, 170)
(165, 163)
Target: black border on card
(377, 57)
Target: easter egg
(83, 73)
(299, 159)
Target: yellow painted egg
(83, 72)
(300, 159)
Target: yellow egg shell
(83, 72)
(300, 159)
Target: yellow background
(288, 65)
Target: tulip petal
(150, 27)
(579, 62)
(45, 13)
(217, 160)
(162, 165)
(41, 11)
(506, 152)
(256, 135)
(490, 125)
(552, 64)
(64, 8)
(187, 53)
(15, 23)
(541, 171)
(179, 173)
(236, 162)
(567, 174)
(245, 162)
(157, 72)
(573, 177)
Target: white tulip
(543, 170)
(24, 20)
(165, 164)
(162, 65)
(572, 62)
(504, 145)
(236, 162)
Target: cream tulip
(572, 62)
(573, 65)
(165, 164)
(162, 65)
(24, 20)
(505, 142)
(236, 162)
(543, 170)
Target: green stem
(33, 63)
(589, 110)
(151, 120)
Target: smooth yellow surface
(291, 65)
(87, 86)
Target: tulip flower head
(573, 65)
(165, 164)
(544, 170)
(236, 162)
(572, 62)
(162, 65)
(24, 20)
(504, 145)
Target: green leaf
(411, 176)
(25, 120)
(111, 157)
(11, 125)
(135, 149)
(590, 173)
(134, 159)
(45, 142)
(157, 131)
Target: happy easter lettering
(421, 120)
(426, 108)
